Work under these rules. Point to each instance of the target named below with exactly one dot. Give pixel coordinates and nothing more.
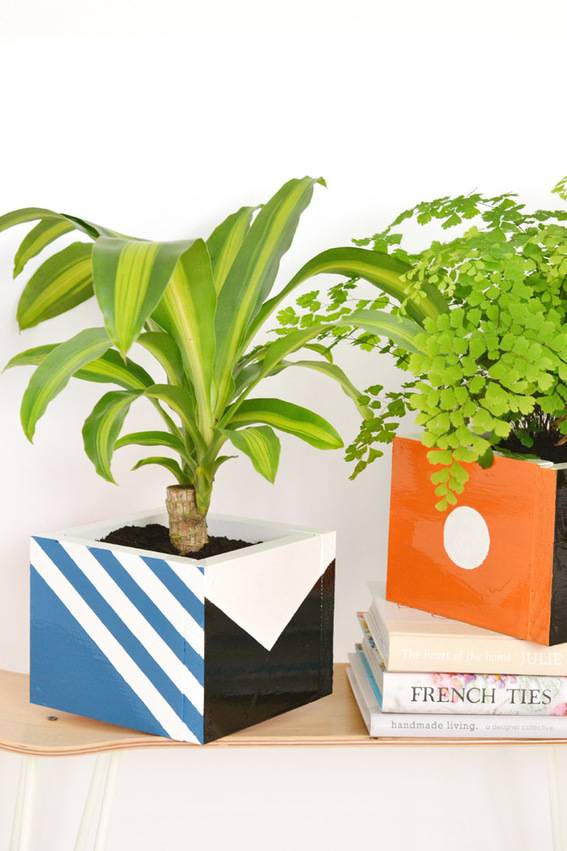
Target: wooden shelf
(332, 721)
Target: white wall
(159, 119)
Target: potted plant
(478, 524)
(211, 624)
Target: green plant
(493, 365)
(561, 188)
(196, 306)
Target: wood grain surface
(332, 721)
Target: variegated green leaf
(102, 427)
(195, 307)
(275, 352)
(166, 352)
(169, 464)
(384, 271)
(220, 460)
(111, 367)
(53, 374)
(331, 370)
(187, 312)
(108, 369)
(246, 377)
(152, 438)
(62, 281)
(43, 234)
(130, 277)
(271, 357)
(401, 331)
(226, 241)
(31, 357)
(261, 445)
(320, 349)
(181, 401)
(23, 215)
(34, 214)
(285, 416)
(93, 230)
(252, 275)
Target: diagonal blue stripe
(183, 650)
(135, 649)
(69, 671)
(178, 588)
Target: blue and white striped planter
(187, 649)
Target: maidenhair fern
(492, 364)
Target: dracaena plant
(491, 366)
(197, 306)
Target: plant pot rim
(540, 462)
(269, 534)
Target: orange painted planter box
(496, 560)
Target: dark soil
(155, 537)
(545, 446)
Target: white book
(451, 693)
(397, 725)
(412, 640)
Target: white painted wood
(268, 532)
(259, 587)
(22, 823)
(92, 802)
(96, 812)
(106, 803)
(260, 590)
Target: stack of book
(416, 674)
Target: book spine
(373, 659)
(466, 727)
(381, 725)
(378, 632)
(464, 654)
(479, 694)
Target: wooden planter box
(497, 560)
(188, 649)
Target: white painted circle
(466, 537)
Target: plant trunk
(187, 526)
